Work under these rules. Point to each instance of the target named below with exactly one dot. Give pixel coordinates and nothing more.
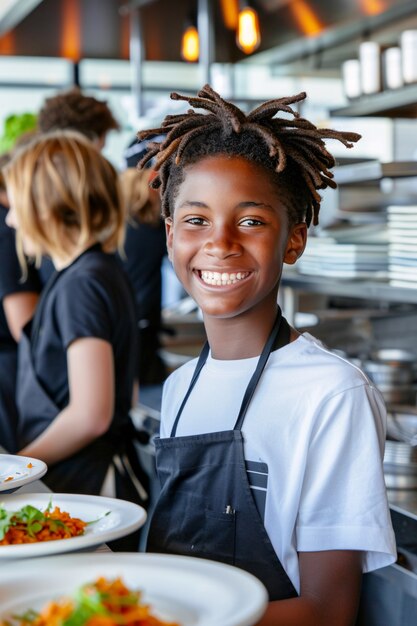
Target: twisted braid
(292, 149)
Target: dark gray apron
(206, 508)
(83, 472)
(8, 409)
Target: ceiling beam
(14, 11)
(134, 4)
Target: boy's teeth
(217, 278)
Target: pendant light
(190, 41)
(248, 36)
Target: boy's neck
(238, 337)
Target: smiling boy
(270, 450)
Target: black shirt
(11, 275)
(145, 248)
(90, 298)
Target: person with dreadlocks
(270, 449)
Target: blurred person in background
(145, 249)
(17, 302)
(74, 110)
(76, 363)
(66, 110)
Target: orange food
(29, 465)
(116, 605)
(55, 524)
(6, 480)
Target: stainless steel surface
(401, 102)
(137, 56)
(14, 11)
(364, 290)
(394, 356)
(205, 22)
(403, 501)
(344, 25)
(393, 373)
(397, 394)
(400, 465)
(388, 374)
(373, 171)
(402, 424)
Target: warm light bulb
(248, 34)
(190, 44)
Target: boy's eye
(250, 221)
(197, 221)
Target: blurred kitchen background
(356, 285)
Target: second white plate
(190, 591)
(123, 519)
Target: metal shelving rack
(361, 289)
(400, 103)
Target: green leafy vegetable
(31, 518)
(28, 616)
(5, 521)
(88, 604)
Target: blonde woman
(77, 355)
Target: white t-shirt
(318, 425)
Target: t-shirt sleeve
(84, 309)
(10, 270)
(343, 502)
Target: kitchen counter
(403, 501)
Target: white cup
(392, 68)
(370, 67)
(409, 55)
(351, 78)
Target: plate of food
(160, 589)
(39, 524)
(16, 471)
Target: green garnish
(94, 521)
(31, 518)
(28, 616)
(5, 521)
(87, 605)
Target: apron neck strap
(279, 336)
(200, 364)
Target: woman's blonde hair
(143, 204)
(66, 195)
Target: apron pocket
(218, 541)
(190, 528)
(208, 533)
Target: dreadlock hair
(75, 111)
(291, 148)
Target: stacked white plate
(402, 234)
(347, 252)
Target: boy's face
(229, 236)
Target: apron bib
(206, 508)
(84, 472)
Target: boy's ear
(296, 243)
(169, 236)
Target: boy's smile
(229, 236)
(222, 278)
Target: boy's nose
(222, 243)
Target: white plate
(14, 471)
(123, 519)
(191, 591)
